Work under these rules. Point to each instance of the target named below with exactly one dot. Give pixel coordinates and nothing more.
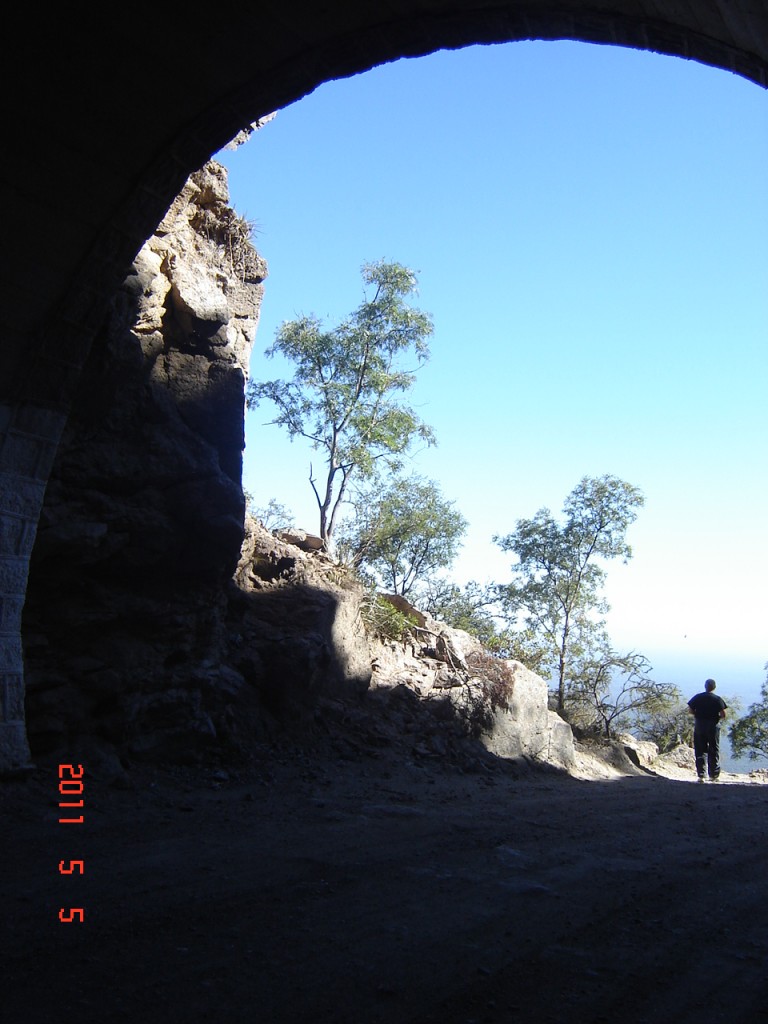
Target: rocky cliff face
(310, 666)
(143, 519)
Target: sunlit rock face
(501, 704)
(143, 518)
(526, 728)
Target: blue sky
(589, 228)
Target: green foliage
(558, 579)
(474, 609)
(273, 515)
(403, 535)
(384, 621)
(521, 645)
(609, 690)
(467, 608)
(667, 727)
(749, 735)
(344, 394)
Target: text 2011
(70, 788)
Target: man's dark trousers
(706, 745)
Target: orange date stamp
(71, 786)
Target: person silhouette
(709, 711)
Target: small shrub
(384, 621)
(272, 516)
(496, 686)
(232, 234)
(497, 677)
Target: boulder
(301, 539)
(681, 756)
(526, 728)
(403, 605)
(501, 705)
(642, 753)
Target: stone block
(10, 655)
(12, 697)
(14, 752)
(10, 534)
(19, 495)
(13, 575)
(28, 455)
(31, 419)
(11, 606)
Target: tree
(474, 608)
(670, 726)
(272, 516)
(405, 534)
(557, 577)
(613, 689)
(467, 608)
(749, 735)
(667, 727)
(343, 396)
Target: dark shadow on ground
(338, 889)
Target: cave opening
(62, 324)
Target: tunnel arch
(108, 133)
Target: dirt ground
(349, 889)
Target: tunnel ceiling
(107, 121)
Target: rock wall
(142, 526)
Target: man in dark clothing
(709, 711)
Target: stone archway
(102, 131)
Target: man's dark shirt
(707, 706)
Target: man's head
(710, 685)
